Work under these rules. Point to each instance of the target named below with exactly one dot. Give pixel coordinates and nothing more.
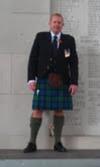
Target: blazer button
(48, 67)
(51, 59)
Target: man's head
(56, 22)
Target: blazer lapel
(61, 41)
(49, 43)
(49, 38)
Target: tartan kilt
(48, 98)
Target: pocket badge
(67, 53)
(37, 92)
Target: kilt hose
(48, 98)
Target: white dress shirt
(58, 37)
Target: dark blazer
(42, 56)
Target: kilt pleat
(46, 97)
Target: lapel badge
(60, 41)
(67, 53)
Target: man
(53, 76)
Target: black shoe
(30, 148)
(59, 147)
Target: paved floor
(51, 163)
(50, 154)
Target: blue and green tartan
(48, 98)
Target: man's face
(56, 24)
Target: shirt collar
(58, 35)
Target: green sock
(58, 125)
(35, 124)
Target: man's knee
(37, 113)
(59, 113)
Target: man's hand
(32, 85)
(73, 89)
